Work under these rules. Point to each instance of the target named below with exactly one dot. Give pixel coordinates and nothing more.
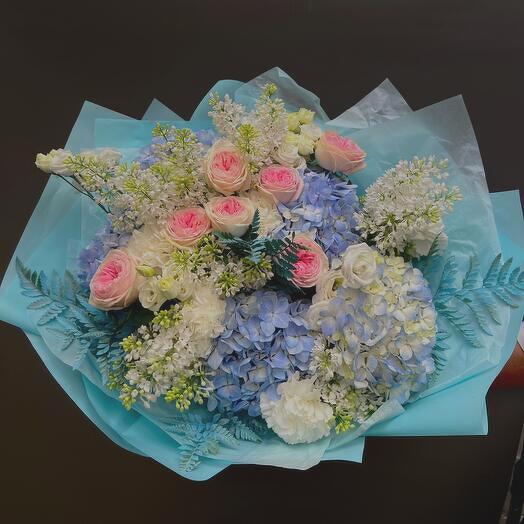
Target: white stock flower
(54, 162)
(359, 265)
(299, 416)
(311, 131)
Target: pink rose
(312, 262)
(337, 153)
(115, 283)
(225, 169)
(230, 214)
(283, 183)
(186, 227)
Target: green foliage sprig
(282, 252)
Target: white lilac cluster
(263, 297)
(162, 355)
(256, 134)
(402, 211)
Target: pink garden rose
(115, 283)
(230, 214)
(337, 153)
(283, 183)
(186, 227)
(312, 262)
(225, 169)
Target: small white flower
(299, 416)
(311, 131)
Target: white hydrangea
(402, 211)
(299, 415)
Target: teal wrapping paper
(388, 130)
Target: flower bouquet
(261, 284)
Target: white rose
(287, 155)
(150, 295)
(359, 265)
(299, 416)
(424, 238)
(54, 162)
(327, 285)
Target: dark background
(55, 465)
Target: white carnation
(299, 416)
(270, 218)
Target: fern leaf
(254, 228)
(487, 300)
(503, 295)
(40, 303)
(504, 270)
(472, 276)
(491, 277)
(64, 338)
(52, 313)
(242, 431)
(460, 322)
(480, 316)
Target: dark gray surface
(55, 463)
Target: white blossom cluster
(257, 134)
(158, 354)
(132, 194)
(402, 211)
(177, 274)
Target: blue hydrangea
(206, 136)
(92, 255)
(326, 206)
(264, 343)
(146, 156)
(385, 335)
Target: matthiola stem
(82, 192)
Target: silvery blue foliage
(326, 207)
(264, 342)
(92, 255)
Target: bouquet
(264, 285)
